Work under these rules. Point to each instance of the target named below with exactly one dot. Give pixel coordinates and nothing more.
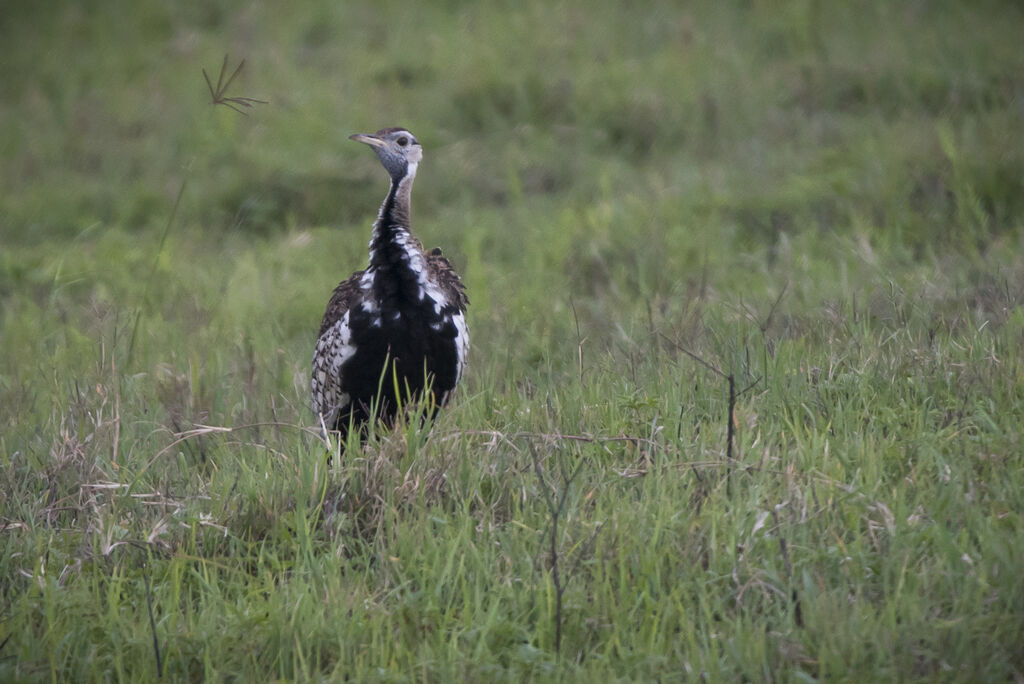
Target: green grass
(826, 203)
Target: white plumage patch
(461, 343)
(429, 288)
(414, 260)
(333, 349)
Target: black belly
(396, 360)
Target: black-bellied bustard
(396, 331)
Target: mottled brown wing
(449, 280)
(341, 301)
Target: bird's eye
(403, 141)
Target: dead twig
(730, 435)
(798, 613)
(555, 502)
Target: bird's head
(396, 148)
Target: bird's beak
(371, 140)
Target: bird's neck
(395, 209)
(392, 247)
(393, 217)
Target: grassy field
(822, 201)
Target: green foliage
(824, 201)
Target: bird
(395, 332)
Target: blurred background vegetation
(611, 154)
(614, 180)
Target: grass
(824, 202)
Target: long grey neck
(391, 231)
(397, 261)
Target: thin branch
(748, 387)
(693, 356)
(771, 311)
(556, 507)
